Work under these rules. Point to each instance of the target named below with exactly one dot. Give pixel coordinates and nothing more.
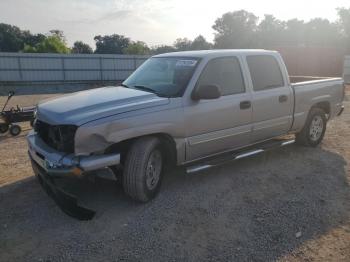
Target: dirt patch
(26, 100)
(14, 160)
(289, 204)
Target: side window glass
(224, 72)
(265, 72)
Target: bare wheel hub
(316, 128)
(153, 169)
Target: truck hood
(82, 107)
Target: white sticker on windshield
(186, 63)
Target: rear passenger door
(219, 124)
(272, 99)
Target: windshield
(164, 76)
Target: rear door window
(265, 72)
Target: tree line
(238, 29)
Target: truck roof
(214, 53)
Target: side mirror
(11, 94)
(206, 92)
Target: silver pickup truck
(184, 108)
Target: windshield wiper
(124, 85)
(143, 88)
(147, 89)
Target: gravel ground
(289, 204)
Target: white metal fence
(347, 69)
(34, 68)
(20, 67)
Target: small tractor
(9, 119)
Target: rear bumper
(58, 164)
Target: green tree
(111, 44)
(32, 40)
(344, 25)
(270, 31)
(294, 33)
(320, 31)
(11, 38)
(182, 44)
(162, 49)
(235, 30)
(80, 47)
(51, 44)
(58, 33)
(344, 20)
(200, 43)
(137, 48)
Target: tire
(314, 128)
(15, 130)
(143, 169)
(4, 128)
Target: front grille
(58, 137)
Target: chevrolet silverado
(189, 108)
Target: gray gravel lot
(289, 204)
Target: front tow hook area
(341, 110)
(66, 202)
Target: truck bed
(309, 91)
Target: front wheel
(314, 128)
(143, 169)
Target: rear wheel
(314, 128)
(15, 130)
(4, 128)
(143, 169)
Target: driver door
(224, 123)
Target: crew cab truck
(183, 108)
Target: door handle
(245, 105)
(282, 98)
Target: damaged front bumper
(49, 164)
(67, 202)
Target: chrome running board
(235, 155)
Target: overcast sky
(152, 21)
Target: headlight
(59, 137)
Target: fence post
(135, 63)
(101, 73)
(20, 68)
(63, 68)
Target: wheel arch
(168, 146)
(304, 136)
(300, 116)
(324, 105)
